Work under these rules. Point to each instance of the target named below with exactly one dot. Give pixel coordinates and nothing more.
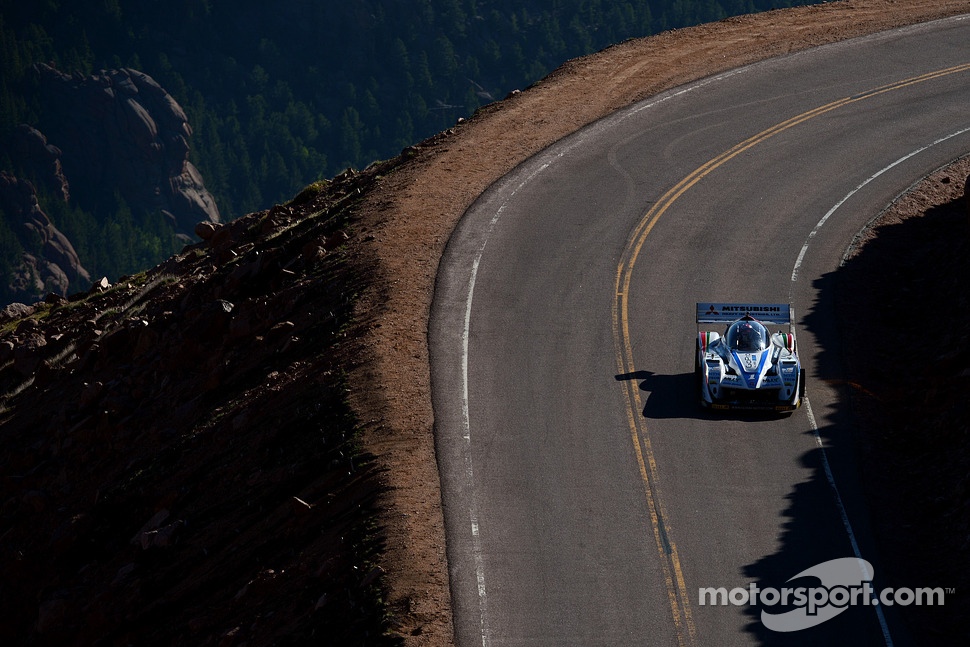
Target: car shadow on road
(674, 396)
(665, 396)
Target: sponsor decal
(752, 308)
(751, 365)
(708, 312)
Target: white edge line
(466, 423)
(578, 137)
(830, 477)
(811, 235)
(573, 142)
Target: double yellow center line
(673, 573)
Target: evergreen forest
(282, 94)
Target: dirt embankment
(410, 218)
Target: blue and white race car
(748, 367)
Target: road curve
(586, 499)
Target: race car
(748, 367)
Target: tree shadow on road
(823, 510)
(857, 484)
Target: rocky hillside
(179, 462)
(121, 129)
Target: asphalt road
(587, 499)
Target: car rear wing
(773, 313)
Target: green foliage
(282, 94)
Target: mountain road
(587, 498)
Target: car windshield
(747, 336)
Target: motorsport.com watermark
(844, 582)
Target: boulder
(16, 311)
(205, 229)
(100, 285)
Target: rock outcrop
(116, 132)
(49, 264)
(119, 128)
(42, 160)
